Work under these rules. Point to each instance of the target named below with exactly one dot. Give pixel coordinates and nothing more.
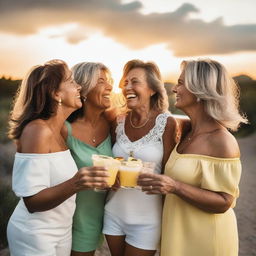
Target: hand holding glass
(109, 163)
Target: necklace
(139, 126)
(189, 138)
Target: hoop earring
(59, 102)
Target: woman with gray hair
(203, 172)
(87, 133)
(132, 220)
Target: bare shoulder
(171, 122)
(36, 137)
(223, 144)
(170, 132)
(64, 131)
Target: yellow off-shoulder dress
(189, 231)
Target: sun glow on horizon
(48, 43)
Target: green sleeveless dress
(88, 217)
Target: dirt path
(246, 204)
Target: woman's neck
(93, 115)
(202, 122)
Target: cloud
(127, 25)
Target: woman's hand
(90, 178)
(117, 183)
(156, 183)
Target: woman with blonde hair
(147, 131)
(87, 132)
(203, 172)
(45, 175)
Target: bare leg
(74, 253)
(116, 245)
(133, 251)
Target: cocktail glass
(148, 167)
(111, 164)
(129, 172)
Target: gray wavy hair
(209, 81)
(86, 74)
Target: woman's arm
(169, 138)
(184, 126)
(209, 201)
(85, 178)
(113, 126)
(223, 145)
(49, 198)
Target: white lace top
(133, 205)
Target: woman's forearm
(51, 197)
(209, 201)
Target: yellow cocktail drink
(112, 168)
(129, 172)
(109, 163)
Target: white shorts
(142, 236)
(26, 243)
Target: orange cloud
(125, 24)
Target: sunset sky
(115, 31)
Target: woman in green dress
(86, 133)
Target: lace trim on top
(153, 136)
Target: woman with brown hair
(44, 173)
(132, 220)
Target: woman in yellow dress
(203, 172)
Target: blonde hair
(209, 81)
(86, 75)
(158, 101)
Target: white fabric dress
(131, 212)
(46, 233)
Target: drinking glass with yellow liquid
(129, 172)
(111, 164)
(148, 167)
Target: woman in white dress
(45, 175)
(132, 221)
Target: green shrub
(5, 107)
(8, 202)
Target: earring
(59, 102)
(198, 99)
(84, 98)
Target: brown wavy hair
(34, 97)
(159, 101)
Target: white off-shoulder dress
(44, 233)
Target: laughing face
(69, 92)
(100, 95)
(136, 89)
